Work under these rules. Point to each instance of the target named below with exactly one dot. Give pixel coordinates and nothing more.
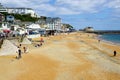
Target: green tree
(69, 26)
(25, 17)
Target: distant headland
(92, 30)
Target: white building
(89, 29)
(22, 11)
(34, 26)
(2, 9)
(4, 26)
(53, 23)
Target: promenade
(77, 56)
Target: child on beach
(40, 43)
(20, 45)
(25, 49)
(41, 40)
(99, 41)
(19, 53)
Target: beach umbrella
(6, 31)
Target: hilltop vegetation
(25, 17)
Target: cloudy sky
(100, 14)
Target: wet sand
(77, 56)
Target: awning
(6, 31)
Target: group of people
(25, 50)
(40, 44)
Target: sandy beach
(77, 56)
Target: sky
(99, 14)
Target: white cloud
(46, 7)
(39, 1)
(35, 4)
(15, 3)
(23, 3)
(81, 5)
(114, 4)
(66, 11)
(65, 7)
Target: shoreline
(107, 41)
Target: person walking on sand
(19, 53)
(115, 53)
(24, 49)
(40, 43)
(20, 45)
(41, 39)
(99, 41)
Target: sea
(113, 38)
